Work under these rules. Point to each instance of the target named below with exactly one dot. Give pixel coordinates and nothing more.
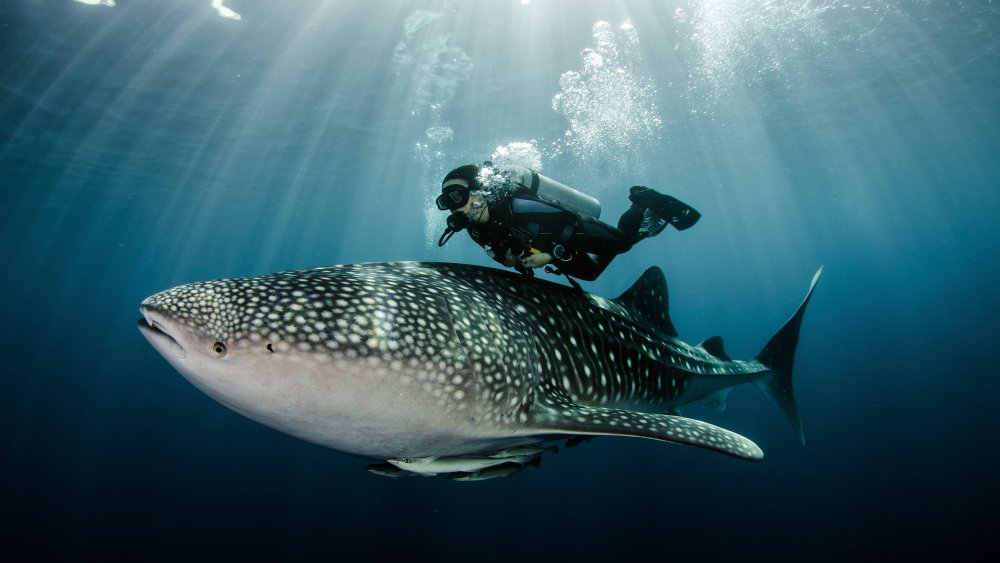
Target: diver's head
(460, 195)
(457, 187)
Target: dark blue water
(143, 146)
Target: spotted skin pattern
(479, 358)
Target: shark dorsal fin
(717, 347)
(649, 302)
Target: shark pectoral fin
(717, 400)
(580, 419)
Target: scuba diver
(525, 220)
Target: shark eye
(219, 348)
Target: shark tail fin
(779, 356)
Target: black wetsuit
(522, 221)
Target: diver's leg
(596, 244)
(630, 221)
(598, 237)
(584, 266)
(604, 242)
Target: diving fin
(674, 211)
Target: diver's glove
(526, 271)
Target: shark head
(197, 328)
(324, 355)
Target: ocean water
(148, 144)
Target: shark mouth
(158, 336)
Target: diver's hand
(509, 259)
(536, 260)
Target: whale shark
(458, 370)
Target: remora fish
(431, 360)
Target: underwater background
(148, 144)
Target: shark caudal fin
(779, 356)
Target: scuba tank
(550, 190)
